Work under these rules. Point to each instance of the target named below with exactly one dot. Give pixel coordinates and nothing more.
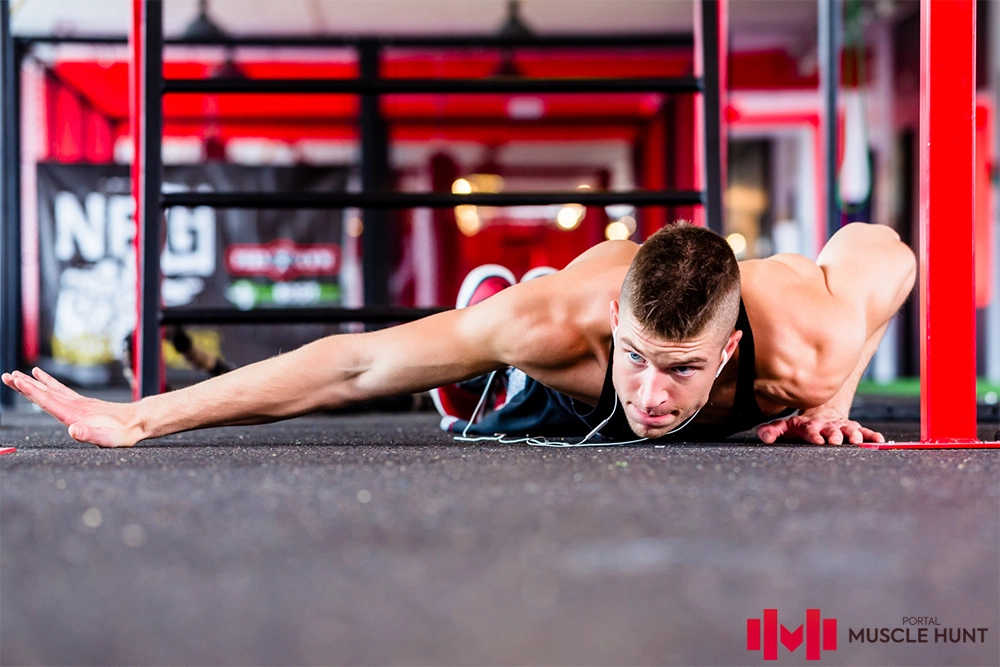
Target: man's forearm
(844, 398)
(316, 376)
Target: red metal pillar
(947, 216)
(947, 227)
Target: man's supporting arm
(830, 421)
(867, 274)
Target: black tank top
(745, 413)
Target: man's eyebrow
(690, 361)
(684, 361)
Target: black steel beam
(577, 120)
(622, 41)
(377, 238)
(149, 214)
(713, 114)
(828, 47)
(680, 84)
(10, 204)
(368, 314)
(404, 200)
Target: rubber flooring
(376, 539)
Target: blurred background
(76, 147)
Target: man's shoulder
(795, 326)
(607, 253)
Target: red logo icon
(792, 639)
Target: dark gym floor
(376, 539)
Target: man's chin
(651, 431)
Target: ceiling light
(616, 231)
(569, 216)
(738, 243)
(467, 219)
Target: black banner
(211, 259)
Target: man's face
(662, 383)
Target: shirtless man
(663, 345)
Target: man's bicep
(431, 352)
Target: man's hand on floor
(89, 420)
(818, 426)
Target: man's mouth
(652, 421)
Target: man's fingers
(814, 433)
(52, 384)
(38, 394)
(871, 436)
(770, 432)
(833, 434)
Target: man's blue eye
(633, 356)
(683, 370)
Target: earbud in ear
(725, 358)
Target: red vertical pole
(947, 215)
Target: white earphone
(725, 358)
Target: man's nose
(653, 392)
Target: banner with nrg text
(211, 258)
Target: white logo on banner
(95, 307)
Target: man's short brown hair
(683, 279)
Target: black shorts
(532, 410)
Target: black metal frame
(711, 87)
(373, 200)
(148, 185)
(372, 86)
(401, 200)
(376, 241)
(828, 49)
(10, 203)
(367, 314)
(631, 40)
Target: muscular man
(659, 334)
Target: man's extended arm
(329, 373)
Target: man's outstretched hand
(89, 420)
(818, 426)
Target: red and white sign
(282, 260)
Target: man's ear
(732, 343)
(614, 316)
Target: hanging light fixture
(203, 29)
(514, 28)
